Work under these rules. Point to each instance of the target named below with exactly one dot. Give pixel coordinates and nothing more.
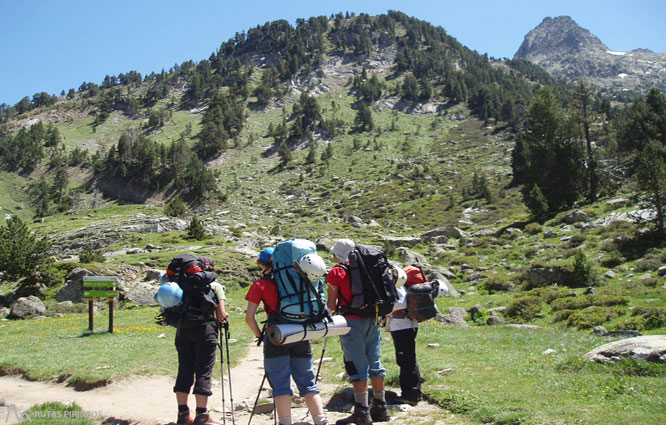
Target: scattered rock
(435, 345)
(4, 311)
(599, 331)
(662, 271)
(650, 348)
(494, 320)
(27, 306)
(575, 216)
(452, 320)
(549, 352)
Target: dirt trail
(148, 400)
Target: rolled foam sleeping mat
(288, 333)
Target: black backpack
(199, 298)
(373, 288)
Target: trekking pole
(231, 394)
(321, 360)
(224, 404)
(261, 386)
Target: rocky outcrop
(566, 50)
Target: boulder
(73, 287)
(494, 320)
(662, 271)
(27, 306)
(153, 274)
(409, 257)
(142, 293)
(452, 320)
(401, 240)
(575, 216)
(458, 312)
(448, 231)
(544, 276)
(650, 348)
(4, 311)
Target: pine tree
(651, 177)
(196, 229)
(22, 253)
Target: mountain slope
(568, 51)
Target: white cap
(342, 248)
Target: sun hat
(342, 248)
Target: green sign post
(101, 287)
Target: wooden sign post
(103, 287)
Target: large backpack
(420, 298)
(199, 298)
(299, 299)
(372, 283)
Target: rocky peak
(566, 50)
(559, 34)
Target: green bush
(533, 229)
(196, 230)
(582, 271)
(645, 318)
(592, 316)
(175, 207)
(524, 309)
(497, 283)
(550, 293)
(585, 301)
(89, 256)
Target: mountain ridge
(568, 51)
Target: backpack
(199, 298)
(372, 285)
(299, 299)
(420, 298)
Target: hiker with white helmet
(283, 362)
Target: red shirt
(339, 278)
(264, 290)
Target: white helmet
(439, 288)
(312, 266)
(399, 276)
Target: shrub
(524, 309)
(578, 303)
(533, 229)
(645, 318)
(592, 316)
(550, 293)
(88, 255)
(497, 283)
(175, 207)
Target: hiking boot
(360, 416)
(379, 411)
(403, 400)
(184, 418)
(204, 419)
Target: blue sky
(55, 45)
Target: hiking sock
(361, 398)
(201, 410)
(285, 420)
(379, 395)
(183, 408)
(319, 419)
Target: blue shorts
(362, 350)
(296, 363)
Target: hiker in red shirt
(361, 346)
(284, 361)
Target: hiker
(361, 346)
(284, 361)
(196, 342)
(403, 331)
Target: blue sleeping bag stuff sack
(299, 299)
